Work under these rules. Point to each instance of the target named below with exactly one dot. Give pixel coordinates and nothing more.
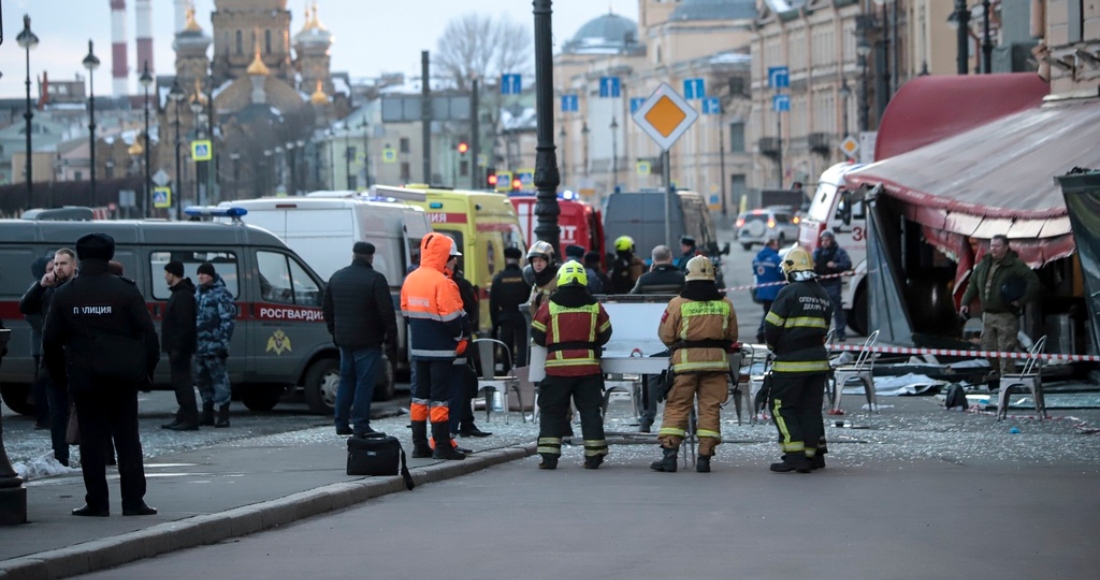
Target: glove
(734, 346)
(964, 311)
(461, 348)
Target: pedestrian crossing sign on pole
(643, 168)
(162, 197)
(389, 155)
(202, 150)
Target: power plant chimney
(119, 68)
(145, 34)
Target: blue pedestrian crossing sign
(162, 197)
(202, 150)
(781, 103)
(389, 155)
(511, 84)
(779, 77)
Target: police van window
(307, 292)
(225, 264)
(275, 283)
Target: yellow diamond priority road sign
(665, 116)
(849, 146)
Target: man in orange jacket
(437, 328)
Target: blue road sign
(635, 104)
(694, 89)
(511, 84)
(570, 104)
(781, 103)
(610, 88)
(712, 106)
(779, 77)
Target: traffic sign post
(712, 106)
(389, 155)
(162, 197)
(610, 88)
(511, 84)
(643, 168)
(694, 89)
(570, 103)
(635, 104)
(202, 150)
(665, 116)
(779, 77)
(850, 147)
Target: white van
(323, 228)
(833, 209)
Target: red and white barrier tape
(784, 283)
(963, 353)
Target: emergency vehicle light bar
(397, 193)
(210, 211)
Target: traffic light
(463, 147)
(491, 177)
(516, 184)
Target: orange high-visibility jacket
(432, 304)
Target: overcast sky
(372, 36)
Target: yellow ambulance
(482, 223)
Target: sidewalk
(226, 490)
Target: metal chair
(863, 371)
(1029, 378)
(495, 388)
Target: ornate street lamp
(960, 20)
(91, 62)
(146, 81)
(176, 94)
(863, 48)
(547, 177)
(28, 40)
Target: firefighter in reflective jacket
(573, 327)
(437, 327)
(795, 330)
(699, 327)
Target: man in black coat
(178, 339)
(508, 291)
(464, 384)
(359, 312)
(95, 331)
(663, 277)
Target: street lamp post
(289, 147)
(365, 126)
(584, 142)
(987, 41)
(614, 154)
(196, 116)
(564, 170)
(347, 158)
(91, 62)
(176, 94)
(146, 82)
(863, 48)
(28, 40)
(962, 23)
(235, 158)
(547, 177)
(845, 94)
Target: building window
(350, 152)
(1076, 20)
(267, 41)
(737, 137)
(406, 172)
(240, 42)
(737, 187)
(353, 182)
(464, 168)
(403, 145)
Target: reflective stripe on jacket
(585, 326)
(432, 304)
(687, 321)
(796, 327)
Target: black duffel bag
(377, 454)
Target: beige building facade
(1069, 51)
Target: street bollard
(13, 496)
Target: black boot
(139, 509)
(549, 461)
(702, 464)
(223, 416)
(593, 462)
(668, 463)
(208, 414)
(421, 449)
(792, 462)
(185, 421)
(175, 421)
(817, 462)
(444, 449)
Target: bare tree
(475, 46)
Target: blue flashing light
(436, 205)
(382, 198)
(229, 212)
(568, 195)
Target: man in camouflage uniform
(215, 322)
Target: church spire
(257, 68)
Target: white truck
(833, 209)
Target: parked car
(756, 226)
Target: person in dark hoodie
(178, 339)
(699, 327)
(41, 382)
(464, 378)
(573, 326)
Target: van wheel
(747, 246)
(385, 386)
(321, 381)
(15, 396)
(858, 315)
(261, 398)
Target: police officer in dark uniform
(795, 330)
(97, 341)
(508, 291)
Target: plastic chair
(863, 371)
(1029, 378)
(496, 388)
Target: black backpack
(377, 454)
(955, 396)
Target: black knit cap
(574, 251)
(207, 268)
(98, 246)
(511, 253)
(175, 268)
(363, 248)
(687, 240)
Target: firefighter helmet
(700, 268)
(797, 260)
(572, 273)
(541, 249)
(624, 244)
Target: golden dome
(258, 68)
(319, 97)
(315, 22)
(192, 25)
(136, 149)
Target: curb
(213, 528)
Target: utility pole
(962, 19)
(426, 114)
(547, 177)
(475, 137)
